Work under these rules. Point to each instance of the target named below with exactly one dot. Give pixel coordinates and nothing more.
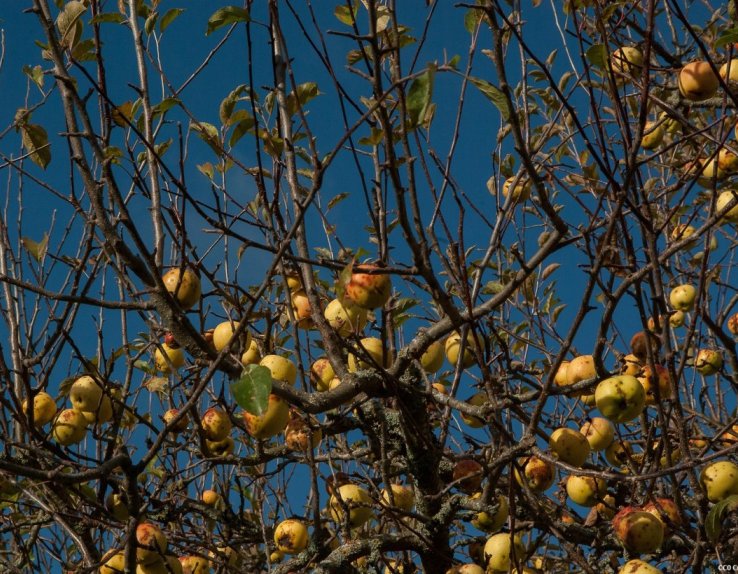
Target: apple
(251, 356)
(354, 499)
(321, 374)
(44, 408)
(223, 333)
(730, 436)
(301, 309)
(116, 503)
(708, 362)
(656, 385)
(276, 556)
(216, 424)
(719, 480)
(369, 290)
(345, 317)
(653, 135)
(101, 414)
(211, 498)
(281, 368)
(667, 511)
(560, 378)
(271, 423)
(729, 71)
(698, 81)
(727, 160)
(168, 358)
(301, 436)
(371, 346)
(638, 567)
(502, 550)
(538, 474)
(682, 297)
(476, 400)
(490, 523)
(619, 453)
(599, 432)
(113, 562)
(181, 425)
(432, 359)
(226, 556)
(621, 398)
(164, 565)
(466, 569)
(452, 348)
(569, 446)
(194, 565)
(291, 536)
(151, 542)
(85, 394)
(639, 531)
(468, 475)
(733, 324)
(70, 427)
(521, 190)
(184, 287)
(219, 448)
(585, 490)
(606, 508)
(685, 231)
(640, 343)
(294, 282)
(631, 365)
(581, 368)
(403, 496)
(724, 199)
(676, 319)
(627, 60)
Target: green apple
(698, 81)
(719, 480)
(585, 490)
(621, 398)
(345, 317)
(599, 432)
(727, 160)
(219, 448)
(184, 287)
(281, 368)
(639, 531)
(708, 362)
(369, 290)
(569, 446)
(117, 504)
(291, 536)
(354, 499)
(502, 550)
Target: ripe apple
(113, 562)
(621, 398)
(44, 408)
(627, 61)
(585, 490)
(373, 347)
(356, 500)
(631, 365)
(676, 319)
(282, 368)
(640, 343)
(733, 324)
(730, 436)
(639, 531)
(719, 480)
(653, 135)
(606, 508)
(369, 290)
(682, 297)
(70, 427)
(538, 474)
(251, 356)
(724, 199)
(345, 317)
(216, 424)
(476, 400)
(727, 160)
(667, 511)
(580, 369)
(708, 362)
(219, 448)
(466, 569)
(655, 384)
(599, 432)
(212, 498)
(569, 446)
(116, 503)
(102, 414)
(163, 565)
(560, 378)
(638, 567)
(521, 190)
(291, 536)
(490, 523)
(168, 358)
(697, 81)
(432, 359)
(301, 436)
(194, 565)
(685, 231)
(301, 309)
(271, 423)
(619, 453)
(181, 425)
(502, 550)
(468, 475)
(85, 394)
(452, 348)
(321, 374)
(223, 333)
(729, 71)
(151, 542)
(226, 556)
(184, 287)
(403, 496)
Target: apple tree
(369, 286)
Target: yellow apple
(403, 496)
(117, 505)
(653, 135)
(667, 511)
(373, 347)
(113, 562)
(476, 400)
(251, 356)
(697, 81)
(301, 436)
(490, 523)
(719, 480)
(184, 287)
(301, 309)
(345, 317)
(655, 384)
(223, 333)
(369, 290)
(585, 490)
(538, 474)
(502, 550)
(619, 453)
(151, 542)
(216, 424)
(452, 348)
(729, 71)
(724, 199)
(356, 500)
(708, 362)
(638, 567)
(321, 374)
(291, 536)
(581, 368)
(281, 368)
(44, 408)
(194, 565)
(181, 425)
(569, 446)
(621, 398)
(521, 190)
(599, 432)
(627, 60)
(271, 423)
(432, 359)
(639, 531)
(70, 427)
(85, 394)
(727, 160)
(168, 358)
(631, 365)
(560, 378)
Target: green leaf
(226, 16)
(164, 106)
(346, 15)
(419, 95)
(343, 278)
(36, 248)
(36, 74)
(108, 18)
(251, 390)
(374, 139)
(727, 37)
(169, 17)
(336, 200)
(151, 22)
(597, 55)
(714, 520)
(242, 128)
(472, 19)
(454, 62)
(494, 95)
(229, 103)
(36, 141)
(209, 134)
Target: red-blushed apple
(599, 432)
(403, 496)
(708, 362)
(468, 475)
(733, 324)
(321, 374)
(372, 347)
(569, 446)
(502, 550)
(301, 309)
(369, 290)
(281, 368)
(216, 424)
(621, 398)
(698, 81)
(452, 348)
(291, 536)
(666, 510)
(585, 490)
(494, 521)
(354, 499)
(538, 474)
(345, 317)
(194, 564)
(682, 297)
(70, 427)
(44, 408)
(151, 542)
(638, 567)
(719, 480)
(182, 423)
(271, 423)
(301, 436)
(223, 333)
(655, 384)
(168, 358)
(184, 287)
(639, 531)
